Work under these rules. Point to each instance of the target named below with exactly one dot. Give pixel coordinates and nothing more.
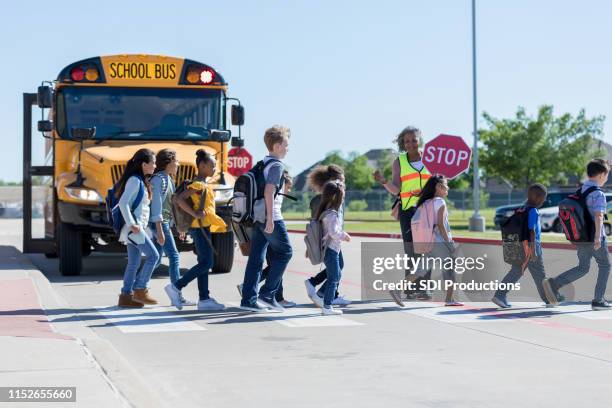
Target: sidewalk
(33, 353)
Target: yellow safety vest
(412, 181)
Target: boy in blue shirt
(536, 195)
(597, 171)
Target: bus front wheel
(70, 250)
(224, 245)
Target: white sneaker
(175, 295)
(341, 301)
(310, 289)
(317, 300)
(287, 303)
(210, 305)
(239, 287)
(330, 311)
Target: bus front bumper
(86, 217)
(93, 217)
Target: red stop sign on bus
(239, 161)
(447, 155)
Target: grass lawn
(393, 228)
(381, 221)
(456, 217)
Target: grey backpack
(314, 240)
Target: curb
(478, 241)
(126, 383)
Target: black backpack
(248, 189)
(515, 238)
(574, 216)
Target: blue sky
(344, 75)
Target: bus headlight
(83, 194)
(223, 195)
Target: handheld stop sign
(447, 155)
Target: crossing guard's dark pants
(405, 217)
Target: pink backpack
(422, 225)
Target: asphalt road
(376, 354)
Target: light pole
(477, 221)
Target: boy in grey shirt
(598, 171)
(269, 232)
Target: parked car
(608, 222)
(549, 212)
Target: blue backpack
(113, 213)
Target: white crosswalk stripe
(471, 312)
(311, 317)
(147, 320)
(300, 316)
(165, 319)
(486, 312)
(584, 311)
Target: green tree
(385, 164)
(358, 205)
(462, 182)
(9, 183)
(335, 157)
(358, 174)
(546, 149)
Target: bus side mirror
(220, 135)
(44, 97)
(237, 142)
(237, 115)
(83, 133)
(45, 126)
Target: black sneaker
(410, 295)
(601, 305)
(423, 295)
(271, 304)
(501, 303)
(396, 295)
(255, 308)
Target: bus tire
(224, 245)
(86, 240)
(70, 250)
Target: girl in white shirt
(332, 199)
(436, 189)
(132, 185)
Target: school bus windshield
(140, 113)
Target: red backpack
(576, 221)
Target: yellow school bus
(99, 111)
